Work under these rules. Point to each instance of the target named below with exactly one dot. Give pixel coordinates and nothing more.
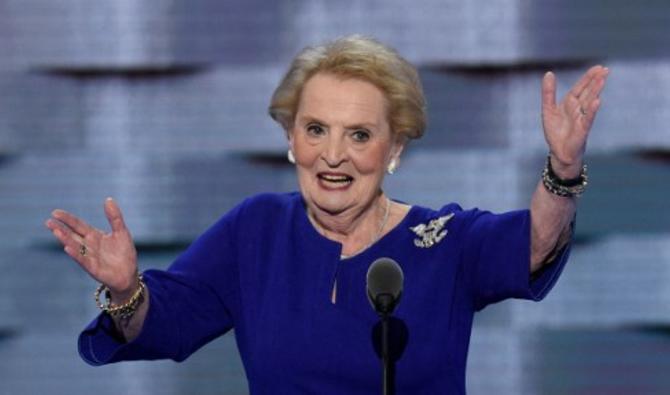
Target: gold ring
(83, 250)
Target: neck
(356, 231)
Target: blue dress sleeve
(496, 253)
(191, 303)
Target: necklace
(374, 238)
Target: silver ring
(582, 111)
(83, 250)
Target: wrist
(566, 170)
(126, 309)
(121, 296)
(125, 306)
(564, 187)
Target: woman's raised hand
(109, 258)
(567, 124)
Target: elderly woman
(287, 271)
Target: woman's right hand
(109, 258)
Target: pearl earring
(290, 157)
(392, 167)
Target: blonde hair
(359, 57)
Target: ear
(289, 137)
(399, 144)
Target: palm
(566, 124)
(110, 265)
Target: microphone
(384, 285)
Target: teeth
(336, 178)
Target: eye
(361, 135)
(315, 129)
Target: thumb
(114, 216)
(549, 90)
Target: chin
(332, 204)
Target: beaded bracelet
(126, 310)
(564, 188)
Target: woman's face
(342, 142)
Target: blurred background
(162, 105)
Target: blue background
(162, 105)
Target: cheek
(305, 153)
(306, 157)
(372, 161)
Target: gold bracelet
(125, 310)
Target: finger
(66, 240)
(76, 224)
(589, 102)
(75, 248)
(580, 85)
(573, 106)
(62, 229)
(591, 114)
(87, 264)
(549, 90)
(585, 96)
(586, 120)
(592, 90)
(114, 216)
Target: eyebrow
(360, 125)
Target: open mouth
(335, 180)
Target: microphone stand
(387, 385)
(387, 303)
(384, 288)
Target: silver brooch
(431, 234)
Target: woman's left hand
(567, 124)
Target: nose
(334, 151)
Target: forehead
(328, 95)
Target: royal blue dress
(265, 271)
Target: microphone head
(384, 285)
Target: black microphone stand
(384, 288)
(386, 303)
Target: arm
(566, 127)
(182, 308)
(131, 327)
(110, 258)
(550, 228)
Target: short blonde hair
(360, 57)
